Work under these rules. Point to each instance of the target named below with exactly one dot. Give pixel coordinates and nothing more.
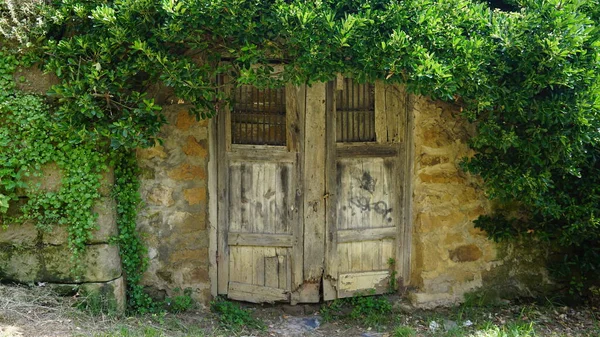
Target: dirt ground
(37, 312)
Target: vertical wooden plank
(259, 266)
(271, 277)
(296, 109)
(392, 109)
(282, 269)
(235, 264)
(380, 114)
(213, 207)
(259, 220)
(245, 267)
(246, 197)
(331, 266)
(356, 255)
(314, 176)
(236, 208)
(402, 112)
(223, 203)
(407, 162)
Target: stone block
(431, 300)
(57, 236)
(197, 256)
(34, 80)
(194, 222)
(48, 179)
(24, 235)
(106, 208)
(194, 148)
(113, 292)
(466, 253)
(196, 275)
(188, 172)
(19, 265)
(195, 196)
(107, 181)
(184, 120)
(160, 195)
(101, 263)
(157, 151)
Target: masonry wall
(451, 257)
(42, 257)
(174, 217)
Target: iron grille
(355, 112)
(258, 116)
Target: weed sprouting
(404, 331)
(233, 317)
(180, 302)
(366, 310)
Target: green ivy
(32, 135)
(133, 252)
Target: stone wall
(174, 217)
(40, 257)
(450, 256)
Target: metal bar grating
(355, 112)
(258, 116)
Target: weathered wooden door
(259, 238)
(310, 192)
(365, 219)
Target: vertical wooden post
(223, 146)
(213, 206)
(314, 197)
(331, 262)
(295, 110)
(380, 113)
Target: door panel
(365, 215)
(258, 236)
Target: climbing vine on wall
(30, 139)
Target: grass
(34, 311)
(368, 311)
(233, 317)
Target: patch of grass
(95, 303)
(180, 302)
(233, 317)
(372, 311)
(512, 329)
(404, 331)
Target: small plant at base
(370, 310)
(331, 310)
(404, 331)
(96, 303)
(233, 317)
(180, 302)
(367, 310)
(393, 283)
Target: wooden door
(259, 238)
(365, 223)
(310, 192)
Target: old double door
(311, 192)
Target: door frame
(311, 292)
